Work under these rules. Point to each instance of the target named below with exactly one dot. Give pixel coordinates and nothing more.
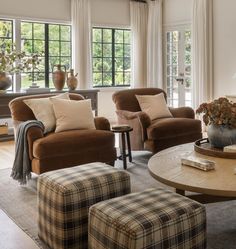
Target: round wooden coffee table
(212, 186)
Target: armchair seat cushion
(70, 142)
(172, 127)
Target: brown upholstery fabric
(21, 112)
(171, 127)
(158, 134)
(182, 112)
(101, 123)
(53, 144)
(65, 149)
(126, 99)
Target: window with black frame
(6, 37)
(6, 34)
(111, 57)
(53, 41)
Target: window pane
(26, 30)
(39, 78)
(65, 33)
(97, 50)
(53, 32)
(53, 61)
(119, 64)
(6, 44)
(127, 79)
(97, 64)
(65, 49)
(127, 37)
(119, 50)
(26, 80)
(97, 35)
(39, 46)
(54, 48)
(27, 46)
(97, 79)
(127, 64)
(107, 64)
(5, 29)
(107, 79)
(107, 35)
(119, 79)
(39, 31)
(119, 36)
(127, 49)
(107, 50)
(66, 61)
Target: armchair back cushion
(21, 112)
(126, 99)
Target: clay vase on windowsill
(72, 81)
(5, 82)
(59, 77)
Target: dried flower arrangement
(219, 112)
(12, 61)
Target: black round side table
(124, 131)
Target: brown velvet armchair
(158, 134)
(64, 149)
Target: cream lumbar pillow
(43, 110)
(154, 105)
(73, 115)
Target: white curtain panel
(81, 42)
(139, 19)
(202, 51)
(154, 45)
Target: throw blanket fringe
(21, 170)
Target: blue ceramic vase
(221, 135)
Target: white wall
(224, 47)
(110, 13)
(36, 9)
(177, 11)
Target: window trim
(113, 44)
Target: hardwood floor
(7, 150)
(11, 236)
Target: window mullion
(17, 41)
(113, 57)
(46, 55)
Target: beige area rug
(20, 204)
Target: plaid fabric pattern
(153, 219)
(64, 198)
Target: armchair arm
(141, 116)
(182, 112)
(33, 134)
(102, 123)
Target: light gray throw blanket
(21, 170)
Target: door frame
(168, 28)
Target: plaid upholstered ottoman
(153, 219)
(64, 198)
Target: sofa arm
(102, 123)
(182, 112)
(33, 134)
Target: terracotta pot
(72, 81)
(59, 77)
(5, 81)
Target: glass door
(178, 76)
